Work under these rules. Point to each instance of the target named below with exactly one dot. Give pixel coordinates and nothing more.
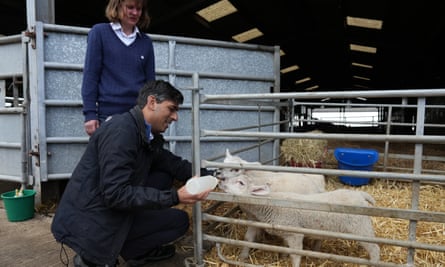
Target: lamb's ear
(260, 190)
(228, 153)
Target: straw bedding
(387, 193)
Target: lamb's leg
(316, 245)
(363, 226)
(250, 236)
(373, 250)
(294, 241)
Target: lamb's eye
(241, 182)
(236, 170)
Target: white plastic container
(200, 184)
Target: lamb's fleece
(337, 222)
(278, 181)
(303, 183)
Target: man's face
(163, 114)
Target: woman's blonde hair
(112, 13)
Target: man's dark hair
(161, 90)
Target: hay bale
(303, 152)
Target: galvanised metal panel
(11, 127)
(11, 162)
(161, 54)
(64, 122)
(221, 69)
(223, 118)
(224, 60)
(63, 84)
(222, 86)
(70, 47)
(65, 47)
(10, 138)
(11, 55)
(63, 158)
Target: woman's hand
(91, 126)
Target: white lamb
(330, 221)
(278, 182)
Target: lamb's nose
(219, 177)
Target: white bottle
(197, 185)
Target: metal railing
(413, 214)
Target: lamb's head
(224, 173)
(243, 185)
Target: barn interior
(326, 45)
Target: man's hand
(186, 198)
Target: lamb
(337, 222)
(278, 181)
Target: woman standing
(119, 60)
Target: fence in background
(417, 177)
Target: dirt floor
(30, 243)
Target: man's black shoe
(157, 254)
(79, 262)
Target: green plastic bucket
(19, 208)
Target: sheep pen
(387, 193)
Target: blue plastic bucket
(355, 159)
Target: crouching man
(119, 198)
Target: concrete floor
(30, 243)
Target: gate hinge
(31, 34)
(36, 153)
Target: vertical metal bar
(418, 151)
(41, 97)
(36, 106)
(171, 60)
(402, 113)
(388, 132)
(15, 92)
(277, 89)
(259, 130)
(196, 166)
(25, 116)
(45, 11)
(2, 93)
(291, 114)
(172, 79)
(276, 69)
(302, 116)
(30, 13)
